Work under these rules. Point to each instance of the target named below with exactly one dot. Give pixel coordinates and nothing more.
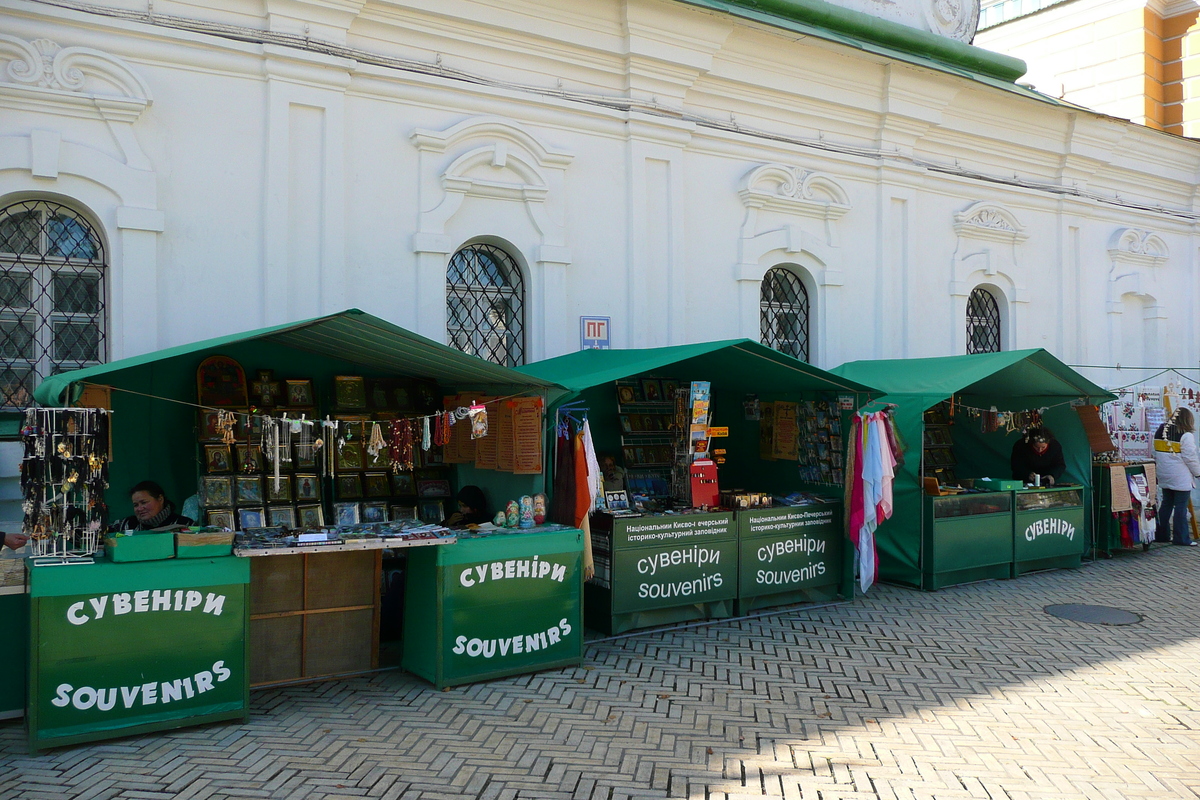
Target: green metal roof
(351, 335)
(1015, 378)
(873, 34)
(761, 367)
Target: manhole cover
(1100, 615)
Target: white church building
(487, 172)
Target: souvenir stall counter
(333, 447)
(508, 602)
(123, 648)
(315, 597)
(1048, 527)
(958, 518)
(967, 537)
(676, 430)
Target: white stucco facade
(644, 160)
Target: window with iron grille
(52, 297)
(485, 305)
(783, 320)
(983, 322)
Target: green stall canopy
(156, 440)
(352, 336)
(1013, 380)
(1016, 380)
(737, 361)
(736, 368)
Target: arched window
(485, 305)
(783, 320)
(52, 296)
(983, 322)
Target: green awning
(350, 336)
(763, 369)
(1017, 380)
(1011, 380)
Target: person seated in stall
(472, 508)
(1036, 455)
(614, 476)
(152, 510)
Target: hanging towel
(888, 463)
(583, 498)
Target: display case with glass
(1037, 500)
(967, 537)
(966, 505)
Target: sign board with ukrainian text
(503, 604)
(790, 555)
(123, 648)
(1049, 529)
(673, 561)
(667, 529)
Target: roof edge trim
(827, 21)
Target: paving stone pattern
(970, 692)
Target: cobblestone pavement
(970, 692)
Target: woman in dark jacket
(1038, 453)
(151, 510)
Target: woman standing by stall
(1177, 465)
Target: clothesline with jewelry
(250, 414)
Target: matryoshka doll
(526, 511)
(512, 514)
(539, 508)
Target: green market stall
(313, 612)
(665, 566)
(933, 541)
(124, 648)
(507, 603)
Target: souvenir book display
(64, 473)
(651, 433)
(819, 446)
(938, 461)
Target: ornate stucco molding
(496, 159)
(989, 237)
(76, 80)
(1135, 257)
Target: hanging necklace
(376, 443)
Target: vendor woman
(151, 510)
(472, 508)
(1038, 458)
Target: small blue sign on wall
(594, 333)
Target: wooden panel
(335, 580)
(340, 642)
(1093, 426)
(275, 647)
(276, 584)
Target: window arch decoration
(485, 304)
(983, 322)
(784, 313)
(53, 315)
